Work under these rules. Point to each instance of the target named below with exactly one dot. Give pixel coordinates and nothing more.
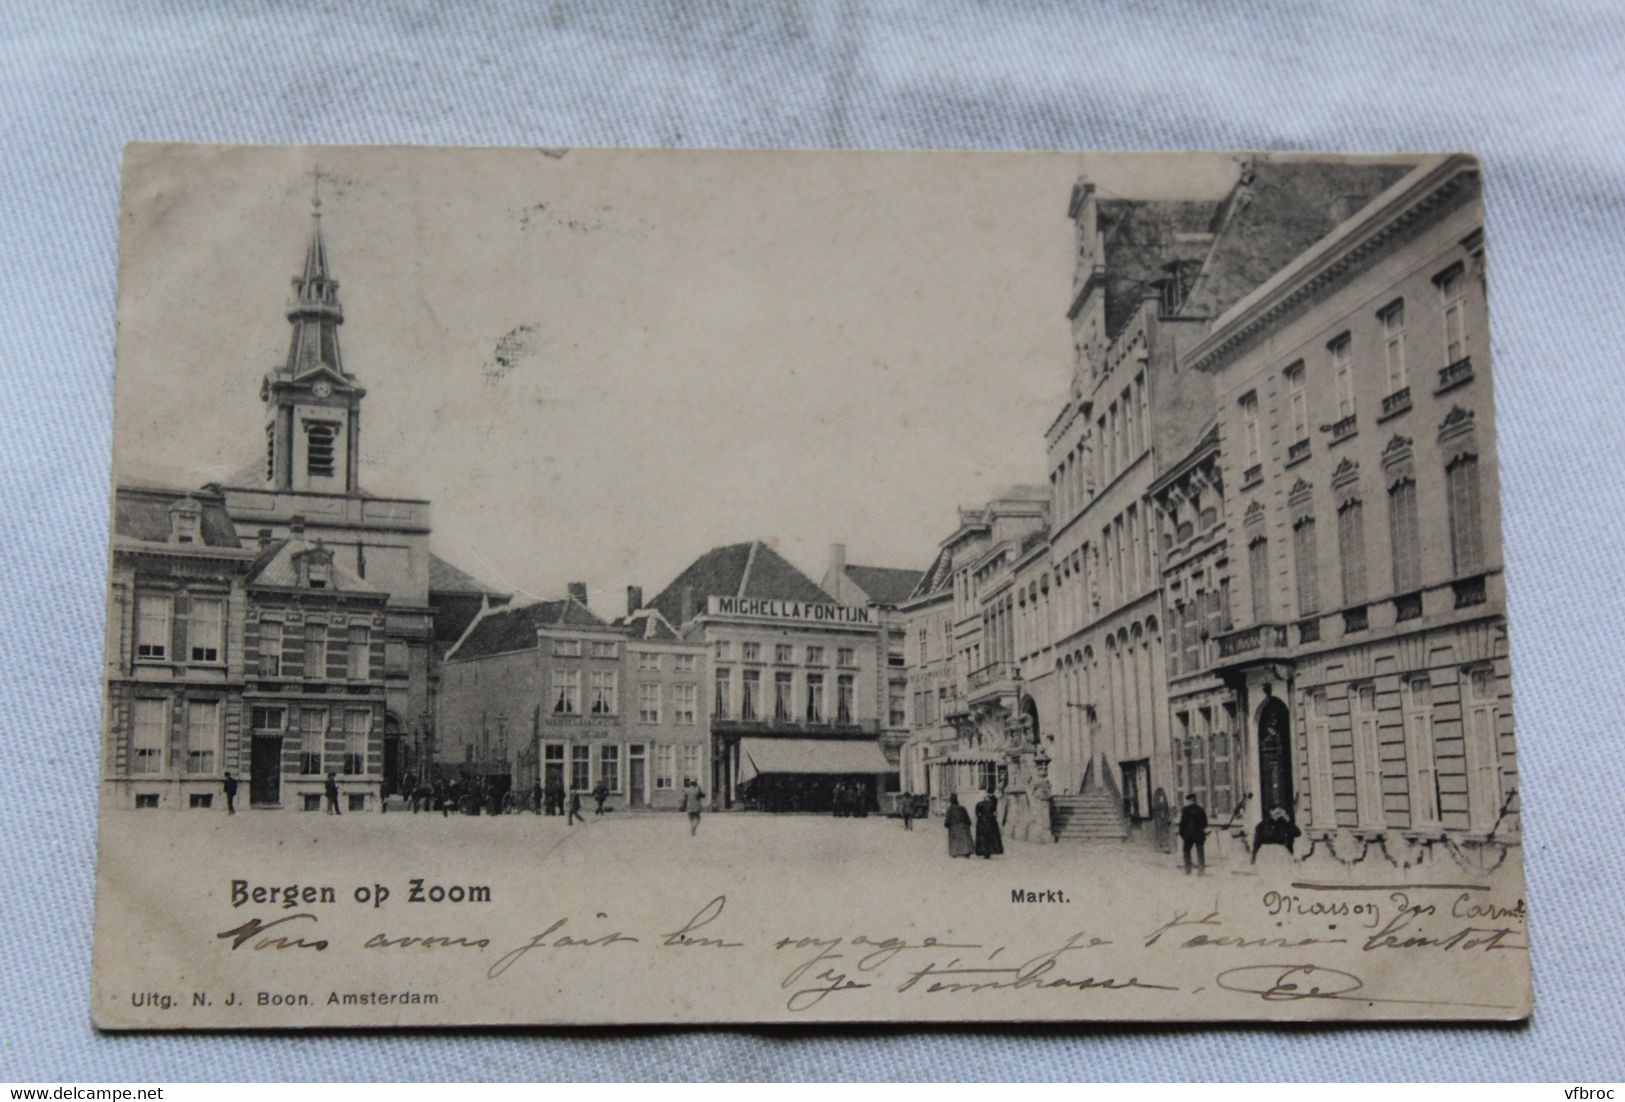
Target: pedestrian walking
(957, 820)
(575, 810)
(989, 840)
(693, 804)
(906, 803)
(1193, 834)
(333, 794)
(600, 793)
(230, 785)
(536, 798)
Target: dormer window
(319, 574)
(186, 525)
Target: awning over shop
(758, 756)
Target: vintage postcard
(588, 586)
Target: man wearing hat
(1193, 833)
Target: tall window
(815, 698)
(665, 766)
(1416, 702)
(206, 630)
(724, 649)
(683, 663)
(1466, 530)
(580, 767)
(684, 704)
(688, 761)
(1343, 375)
(270, 648)
(722, 706)
(843, 698)
(1249, 430)
(312, 736)
(202, 735)
(154, 614)
(750, 705)
(815, 656)
(609, 766)
(1297, 402)
(567, 692)
(783, 708)
(784, 652)
(898, 704)
(149, 730)
(1393, 346)
(1351, 551)
(753, 652)
(358, 656)
(1322, 804)
(1453, 300)
(1405, 536)
(1308, 571)
(1367, 753)
(315, 650)
(602, 693)
(648, 703)
(320, 437)
(1484, 794)
(1258, 571)
(845, 656)
(357, 726)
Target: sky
(599, 364)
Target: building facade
(314, 679)
(1356, 425)
(797, 682)
(880, 589)
(551, 693)
(174, 721)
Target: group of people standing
(986, 841)
(851, 800)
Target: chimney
(686, 605)
(837, 559)
(634, 598)
(265, 538)
(578, 590)
(296, 527)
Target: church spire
(314, 309)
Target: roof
(141, 512)
(277, 565)
(1138, 238)
(446, 578)
(936, 577)
(738, 570)
(884, 585)
(1277, 209)
(647, 623)
(506, 629)
(806, 755)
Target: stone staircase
(1095, 815)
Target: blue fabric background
(1539, 93)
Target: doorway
(634, 775)
(1274, 758)
(265, 772)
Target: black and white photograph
(585, 586)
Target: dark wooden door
(265, 772)
(1274, 758)
(634, 777)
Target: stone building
(313, 678)
(881, 589)
(1357, 440)
(551, 692)
(174, 719)
(1149, 278)
(797, 681)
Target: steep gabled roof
(446, 578)
(648, 624)
(1139, 237)
(936, 577)
(737, 570)
(884, 585)
(505, 629)
(277, 565)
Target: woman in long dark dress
(988, 839)
(958, 824)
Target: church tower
(312, 405)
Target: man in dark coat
(957, 820)
(333, 794)
(575, 810)
(600, 793)
(905, 804)
(989, 840)
(230, 784)
(1193, 833)
(1276, 830)
(536, 798)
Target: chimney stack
(296, 526)
(634, 598)
(265, 538)
(686, 605)
(578, 590)
(837, 558)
